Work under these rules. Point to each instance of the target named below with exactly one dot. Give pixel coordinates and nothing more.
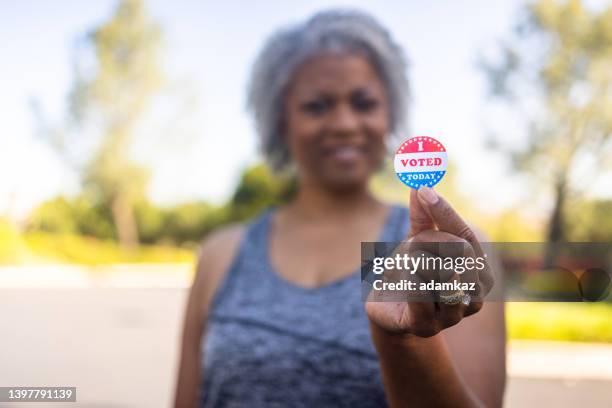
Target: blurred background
(124, 141)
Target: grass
(91, 251)
(587, 322)
(44, 248)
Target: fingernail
(428, 195)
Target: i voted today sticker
(420, 161)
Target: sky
(209, 47)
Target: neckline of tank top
(384, 235)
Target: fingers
(473, 307)
(441, 243)
(426, 319)
(433, 223)
(422, 319)
(428, 316)
(420, 219)
(445, 245)
(450, 315)
(445, 217)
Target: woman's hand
(433, 220)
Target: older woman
(274, 317)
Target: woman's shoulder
(219, 247)
(214, 258)
(221, 242)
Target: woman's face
(337, 120)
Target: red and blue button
(420, 161)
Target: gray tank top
(270, 343)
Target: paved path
(119, 348)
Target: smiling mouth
(346, 154)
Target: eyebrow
(360, 90)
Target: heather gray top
(270, 343)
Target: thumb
(420, 220)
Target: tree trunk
(123, 217)
(556, 225)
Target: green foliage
(151, 221)
(56, 215)
(185, 223)
(182, 224)
(588, 322)
(257, 189)
(591, 222)
(55, 243)
(69, 248)
(12, 247)
(77, 216)
(510, 226)
(128, 73)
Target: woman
(274, 317)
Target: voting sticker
(420, 161)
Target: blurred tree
(111, 92)
(187, 222)
(73, 216)
(151, 221)
(56, 215)
(511, 226)
(559, 69)
(257, 189)
(590, 221)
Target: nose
(345, 120)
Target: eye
(364, 103)
(316, 107)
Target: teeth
(346, 153)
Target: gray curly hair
(287, 49)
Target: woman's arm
(478, 343)
(214, 258)
(189, 360)
(478, 348)
(464, 366)
(430, 354)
